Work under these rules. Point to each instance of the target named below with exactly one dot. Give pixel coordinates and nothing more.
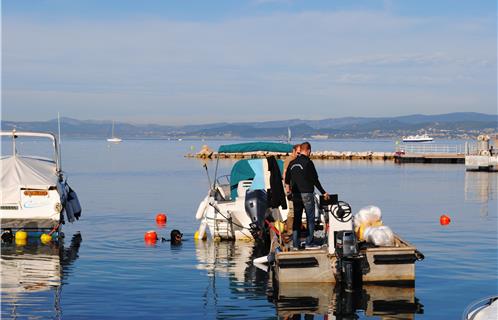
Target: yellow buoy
(196, 235)
(21, 235)
(45, 238)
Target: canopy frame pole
(14, 151)
(216, 172)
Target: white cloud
(266, 66)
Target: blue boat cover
(249, 169)
(256, 146)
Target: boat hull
(305, 266)
(382, 264)
(228, 220)
(418, 140)
(32, 212)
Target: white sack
(367, 216)
(381, 236)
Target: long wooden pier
(405, 153)
(316, 155)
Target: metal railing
(431, 148)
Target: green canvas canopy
(256, 146)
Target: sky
(192, 62)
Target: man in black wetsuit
(301, 179)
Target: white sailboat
(113, 138)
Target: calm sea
(103, 270)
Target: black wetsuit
(301, 175)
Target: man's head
(306, 148)
(176, 237)
(296, 149)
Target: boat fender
(68, 208)
(21, 235)
(7, 236)
(261, 266)
(419, 255)
(261, 260)
(202, 208)
(75, 203)
(201, 233)
(45, 238)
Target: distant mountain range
(450, 125)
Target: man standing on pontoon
(290, 215)
(301, 179)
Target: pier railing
(426, 148)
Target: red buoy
(150, 236)
(161, 218)
(444, 220)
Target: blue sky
(178, 62)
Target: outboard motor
(342, 242)
(256, 205)
(348, 259)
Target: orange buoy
(161, 218)
(150, 236)
(444, 220)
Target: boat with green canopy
(236, 202)
(255, 147)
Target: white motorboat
(113, 138)
(320, 136)
(484, 309)
(34, 195)
(418, 138)
(236, 204)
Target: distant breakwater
(317, 155)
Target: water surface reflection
(229, 260)
(481, 188)
(35, 270)
(309, 301)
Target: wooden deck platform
(430, 158)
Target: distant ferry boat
(418, 138)
(320, 136)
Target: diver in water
(176, 237)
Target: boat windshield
(29, 146)
(223, 180)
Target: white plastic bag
(381, 236)
(367, 216)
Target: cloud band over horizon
(306, 64)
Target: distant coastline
(462, 125)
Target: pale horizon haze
(193, 62)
